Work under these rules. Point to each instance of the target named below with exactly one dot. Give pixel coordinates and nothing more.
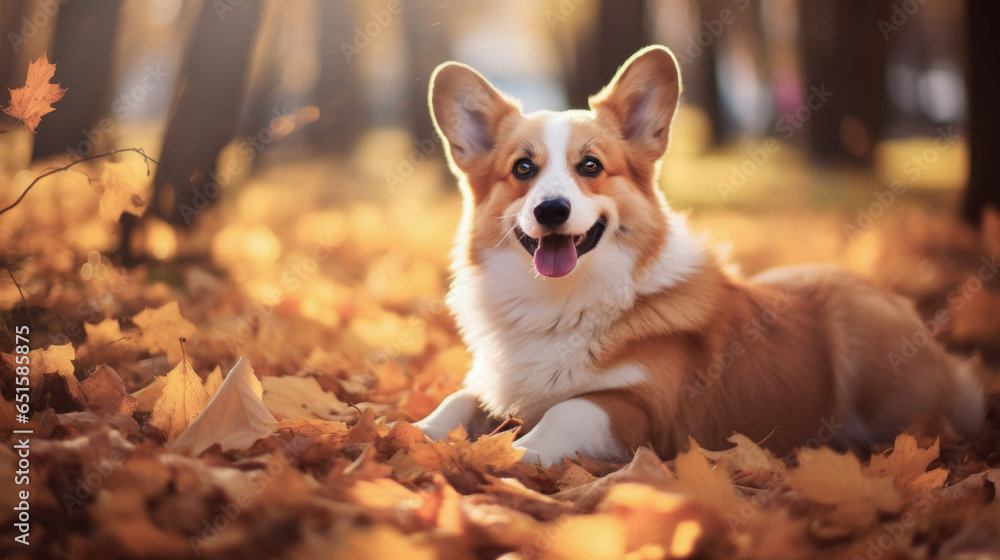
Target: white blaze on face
(557, 179)
(557, 182)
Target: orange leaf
(907, 464)
(35, 99)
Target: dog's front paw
(537, 456)
(432, 431)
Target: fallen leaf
(183, 399)
(302, 397)
(235, 418)
(35, 99)
(145, 398)
(711, 486)
(55, 361)
(835, 479)
(311, 427)
(645, 468)
(106, 390)
(907, 464)
(162, 328)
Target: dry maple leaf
(303, 397)
(55, 360)
(35, 99)
(235, 418)
(828, 477)
(106, 390)
(122, 190)
(162, 327)
(183, 399)
(907, 464)
(711, 486)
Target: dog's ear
(467, 112)
(642, 98)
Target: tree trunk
(206, 110)
(342, 108)
(83, 49)
(983, 82)
(844, 53)
(620, 29)
(427, 46)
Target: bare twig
(21, 293)
(88, 158)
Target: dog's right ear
(467, 112)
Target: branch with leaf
(29, 104)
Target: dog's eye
(590, 166)
(524, 168)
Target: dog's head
(564, 191)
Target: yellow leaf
(56, 360)
(708, 485)
(830, 478)
(235, 418)
(35, 99)
(162, 328)
(302, 397)
(122, 190)
(907, 464)
(490, 452)
(183, 399)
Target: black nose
(553, 212)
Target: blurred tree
(844, 52)
(426, 46)
(83, 47)
(984, 113)
(206, 110)
(10, 51)
(620, 29)
(342, 107)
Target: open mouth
(555, 254)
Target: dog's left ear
(642, 99)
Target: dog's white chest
(532, 345)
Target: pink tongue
(555, 255)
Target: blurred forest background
(857, 132)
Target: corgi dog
(596, 317)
